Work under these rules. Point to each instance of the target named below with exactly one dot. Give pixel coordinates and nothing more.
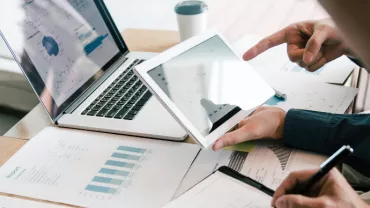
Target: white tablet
(205, 85)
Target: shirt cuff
(307, 130)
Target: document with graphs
(266, 162)
(224, 189)
(92, 169)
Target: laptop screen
(62, 46)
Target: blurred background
(233, 18)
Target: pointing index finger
(265, 44)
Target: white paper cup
(191, 18)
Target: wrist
(280, 115)
(280, 129)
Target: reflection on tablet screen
(193, 81)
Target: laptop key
(121, 102)
(115, 99)
(101, 113)
(92, 113)
(121, 113)
(147, 95)
(117, 107)
(129, 117)
(96, 108)
(108, 107)
(84, 112)
(141, 102)
(133, 112)
(111, 114)
(137, 108)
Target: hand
(311, 44)
(331, 191)
(265, 122)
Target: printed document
(222, 191)
(268, 163)
(92, 169)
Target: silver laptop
(82, 71)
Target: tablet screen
(222, 191)
(188, 78)
(209, 84)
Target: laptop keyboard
(123, 99)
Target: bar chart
(118, 171)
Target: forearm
(325, 133)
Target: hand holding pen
(325, 187)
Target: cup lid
(191, 7)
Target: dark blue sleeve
(325, 133)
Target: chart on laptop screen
(67, 41)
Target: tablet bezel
(143, 69)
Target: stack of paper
(97, 170)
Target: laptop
(82, 71)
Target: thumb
(313, 45)
(290, 201)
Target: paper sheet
(222, 191)
(11, 202)
(269, 163)
(335, 72)
(91, 169)
(308, 95)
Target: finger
(292, 201)
(266, 43)
(301, 64)
(290, 182)
(314, 44)
(235, 137)
(320, 63)
(295, 54)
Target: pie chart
(50, 45)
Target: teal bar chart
(118, 170)
(107, 180)
(131, 149)
(126, 156)
(114, 172)
(120, 164)
(101, 189)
